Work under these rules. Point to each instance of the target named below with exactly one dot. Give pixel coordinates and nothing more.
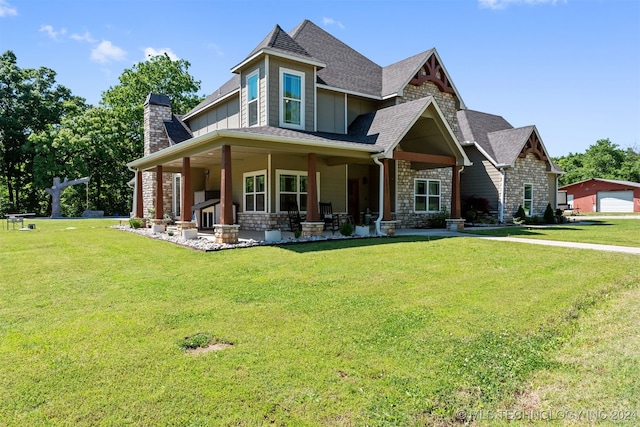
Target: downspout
(377, 161)
(502, 195)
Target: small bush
(520, 215)
(135, 223)
(170, 233)
(549, 215)
(438, 220)
(297, 233)
(346, 229)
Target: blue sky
(570, 67)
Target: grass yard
(404, 331)
(621, 232)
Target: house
(307, 119)
(603, 195)
(511, 166)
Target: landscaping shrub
(549, 215)
(520, 215)
(438, 220)
(346, 229)
(135, 223)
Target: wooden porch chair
(331, 220)
(295, 219)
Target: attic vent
(432, 71)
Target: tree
(159, 74)
(603, 159)
(30, 101)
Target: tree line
(604, 159)
(47, 132)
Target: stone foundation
(185, 225)
(455, 224)
(263, 221)
(226, 233)
(388, 227)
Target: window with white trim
(291, 98)
(253, 98)
(427, 196)
(527, 196)
(255, 191)
(292, 189)
(177, 188)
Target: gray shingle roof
(475, 126)
(279, 40)
(385, 127)
(507, 144)
(232, 84)
(346, 68)
(176, 130)
(396, 76)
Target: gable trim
(308, 61)
(209, 106)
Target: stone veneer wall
(446, 101)
(529, 170)
(404, 212)
(263, 221)
(155, 139)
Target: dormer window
(291, 99)
(253, 104)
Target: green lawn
(621, 232)
(402, 331)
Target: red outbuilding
(603, 195)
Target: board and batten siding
(223, 116)
(262, 93)
(331, 115)
(357, 106)
(482, 179)
(275, 64)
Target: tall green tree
(603, 159)
(30, 101)
(159, 74)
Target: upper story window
(291, 99)
(253, 101)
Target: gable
(432, 71)
(533, 146)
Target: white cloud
(53, 34)
(149, 51)
(106, 52)
(86, 37)
(330, 21)
(216, 49)
(502, 4)
(7, 10)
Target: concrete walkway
(574, 245)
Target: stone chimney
(157, 110)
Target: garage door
(615, 201)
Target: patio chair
(295, 219)
(331, 220)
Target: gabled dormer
(277, 84)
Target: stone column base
(185, 225)
(312, 229)
(157, 226)
(455, 224)
(388, 227)
(226, 233)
